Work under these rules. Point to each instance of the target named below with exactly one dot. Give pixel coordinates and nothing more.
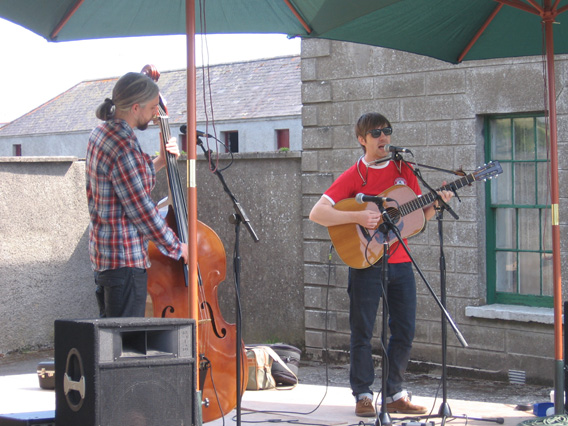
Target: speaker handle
(70, 385)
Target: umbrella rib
(298, 16)
(479, 32)
(65, 19)
(536, 5)
(536, 9)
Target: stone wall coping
(252, 155)
(512, 313)
(43, 159)
(223, 156)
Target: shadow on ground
(316, 373)
(430, 385)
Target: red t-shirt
(378, 178)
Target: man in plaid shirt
(124, 218)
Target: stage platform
(305, 404)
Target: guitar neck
(430, 197)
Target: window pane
(546, 229)
(282, 138)
(541, 139)
(501, 139)
(543, 193)
(525, 175)
(529, 273)
(506, 228)
(501, 188)
(529, 229)
(547, 275)
(524, 141)
(506, 272)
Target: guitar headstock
(488, 171)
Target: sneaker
(365, 408)
(404, 406)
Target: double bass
(168, 291)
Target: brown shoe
(365, 408)
(404, 406)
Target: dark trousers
(365, 290)
(121, 292)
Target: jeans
(121, 292)
(365, 290)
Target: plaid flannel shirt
(119, 179)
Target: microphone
(391, 148)
(200, 133)
(183, 129)
(362, 198)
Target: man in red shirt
(372, 175)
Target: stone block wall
(436, 110)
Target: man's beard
(143, 126)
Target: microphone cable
(324, 351)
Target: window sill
(512, 313)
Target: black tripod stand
(236, 218)
(390, 230)
(383, 419)
(444, 411)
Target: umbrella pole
(554, 195)
(191, 182)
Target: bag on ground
(259, 369)
(272, 366)
(286, 373)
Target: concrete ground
(322, 398)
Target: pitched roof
(240, 90)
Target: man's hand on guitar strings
(369, 218)
(445, 195)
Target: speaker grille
(146, 395)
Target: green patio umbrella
(449, 30)
(437, 28)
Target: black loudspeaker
(125, 372)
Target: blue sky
(35, 71)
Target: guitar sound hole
(394, 214)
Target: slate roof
(240, 90)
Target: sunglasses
(377, 132)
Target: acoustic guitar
(359, 247)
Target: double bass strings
(179, 200)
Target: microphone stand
(446, 314)
(383, 418)
(390, 226)
(444, 411)
(236, 218)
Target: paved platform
(305, 404)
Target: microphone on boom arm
(183, 129)
(362, 198)
(396, 149)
